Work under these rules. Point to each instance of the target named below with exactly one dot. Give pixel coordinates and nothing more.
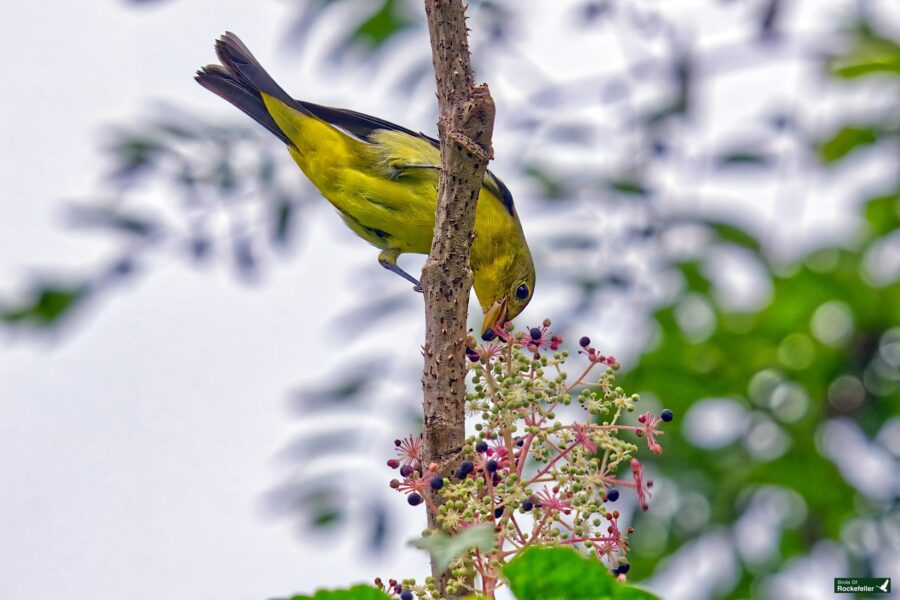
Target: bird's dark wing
(359, 124)
(363, 126)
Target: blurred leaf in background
(763, 394)
(444, 549)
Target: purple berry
(491, 465)
(414, 499)
(407, 595)
(406, 470)
(481, 447)
(393, 463)
(436, 482)
(666, 415)
(612, 495)
(584, 342)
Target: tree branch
(465, 126)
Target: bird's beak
(496, 315)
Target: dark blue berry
(612, 495)
(624, 568)
(666, 415)
(481, 446)
(406, 470)
(407, 595)
(527, 505)
(466, 466)
(535, 333)
(472, 354)
(584, 342)
(436, 482)
(520, 442)
(498, 512)
(488, 335)
(459, 474)
(414, 499)
(491, 465)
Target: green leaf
(628, 186)
(551, 187)
(378, 28)
(444, 549)
(871, 55)
(883, 214)
(48, 304)
(562, 573)
(135, 154)
(694, 278)
(845, 141)
(357, 592)
(734, 235)
(284, 218)
(115, 219)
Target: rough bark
(465, 126)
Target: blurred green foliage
(824, 345)
(814, 352)
(45, 304)
(872, 53)
(383, 24)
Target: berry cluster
(401, 588)
(534, 479)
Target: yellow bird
(383, 180)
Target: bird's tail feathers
(240, 79)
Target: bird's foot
(388, 260)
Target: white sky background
(135, 448)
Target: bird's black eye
(522, 292)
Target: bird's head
(504, 286)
